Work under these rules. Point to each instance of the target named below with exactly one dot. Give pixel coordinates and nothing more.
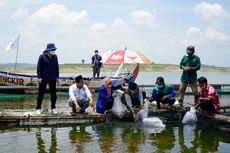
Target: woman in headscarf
(106, 95)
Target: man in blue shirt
(47, 73)
(163, 93)
(96, 64)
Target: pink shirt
(210, 92)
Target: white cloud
(197, 36)
(19, 14)
(57, 14)
(117, 25)
(211, 12)
(2, 2)
(194, 34)
(143, 18)
(212, 34)
(98, 27)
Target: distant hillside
(19, 65)
(73, 68)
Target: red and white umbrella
(125, 56)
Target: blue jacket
(103, 97)
(167, 90)
(48, 68)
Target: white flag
(13, 44)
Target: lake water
(112, 136)
(174, 77)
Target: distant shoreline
(86, 68)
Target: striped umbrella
(125, 56)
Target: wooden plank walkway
(30, 118)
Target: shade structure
(125, 56)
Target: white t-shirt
(79, 93)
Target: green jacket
(191, 75)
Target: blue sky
(161, 29)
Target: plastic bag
(89, 110)
(153, 122)
(143, 113)
(118, 108)
(190, 117)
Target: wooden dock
(30, 118)
(63, 118)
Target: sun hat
(50, 47)
(190, 49)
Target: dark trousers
(159, 100)
(109, 104)
(83, 104)
(207, 106)
(42, 90)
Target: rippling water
(113, 137)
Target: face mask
(160, 86)
(52, 52)
(96, 53)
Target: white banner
(13, 44)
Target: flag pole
(16, 54)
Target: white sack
(153, 122)
(190, 117)
(143, 113)
(118, 108)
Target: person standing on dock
(80, 96)
(96, 64)
(209, 99)
(163, 93)
(190, 64)
(47, 73)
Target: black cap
(132, 86)
(160, 80)
(96, 51)
(78, 78)
(190, 49)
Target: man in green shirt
(190, 64)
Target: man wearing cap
(190, 64)
(96, 64)
(133, 98)
(80, 96)
(163, 93)
(47, 73)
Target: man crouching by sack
(80, 96)
(163, 93)
(133, 98)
